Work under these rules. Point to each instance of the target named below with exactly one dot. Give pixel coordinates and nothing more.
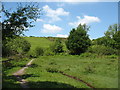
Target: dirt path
(20, 72)
(89, 85)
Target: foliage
(111, 37)
(15, 46)
(88, 54)
(49, 52)
(106, 41)
(112, 29)
(19, 20)
(112, 56)
(39, 51)
(116, 38)
(13, 26)
(57, 47)
(101, 50)
(78, 40)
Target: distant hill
(43, 42)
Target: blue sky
(60, 17)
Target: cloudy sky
(60, 17)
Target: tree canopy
(17, 21)
(78, 40)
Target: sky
(58, 18)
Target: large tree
(14, 23)
(78, 40)
(17, 21)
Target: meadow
(100, 72)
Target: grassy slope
(101, 73)
(38, 42)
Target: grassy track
(101, 73)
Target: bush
(113, 56)
(86, 54)
(15, 46)
(102, 50)
(48, 52)
(89, 69)
(57, 47)
(39, 51)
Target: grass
(101, 73)
(38, 42)
(44, 72)
(9, 81)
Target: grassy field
(101, 73)
(38, 42)
(44, 72)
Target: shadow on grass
(33, 65)
(48, 84)
(28, 75)
(11, 81)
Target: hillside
(43, 42)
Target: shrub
(113, 56)
(86, 54)
(39, 51)
(15, 46)
(89, 69)
(57, 47)
(102, 50)
(49, 52)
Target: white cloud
(85, 20)
(54, 14)
(62, 35)
(47, 28)
(40, 20)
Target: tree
(108, 39)
(116, 38)
(78, 40)
(17, 21)
(15, 46)
(14, 24)
(112, 29)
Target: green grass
(99, 72)
(9, 81)
(38, 42)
